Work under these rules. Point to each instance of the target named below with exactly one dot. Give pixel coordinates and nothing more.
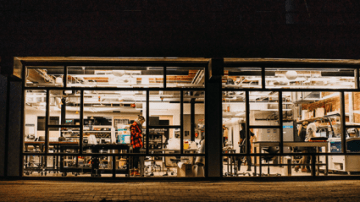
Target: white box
(186, 170)
(320, 112)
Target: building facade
(247, 53)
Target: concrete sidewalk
(28, 190)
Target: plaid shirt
(136, 136)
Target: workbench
(42, 168)
(258, 148)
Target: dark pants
(307, 158)
(248, 159)
(136, 158)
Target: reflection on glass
(191, 77)
(44, 77)
(309, 78)
(121, 77)
(241, 77)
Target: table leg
(326, 161)
(231, 171)
(318, 161)
(260, 162)
(255, 160)
(227, 166)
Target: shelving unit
(156, 140)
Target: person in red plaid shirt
(136, 141)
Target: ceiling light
(291, 75)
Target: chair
(268, 158)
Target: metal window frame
(82, 89)
(263, 66)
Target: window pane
(310, 78)
(66, 106)
(185, 77)
(67, 166)
(44, 77)
(194, 121)
(164, 105)
(241, 77)
(234, 119)
(109, 114)
(264, 108)
(121, 77)
(352, 108)
(35, 108)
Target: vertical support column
(356, 74)
(14, 132)
(47, 119)
(22, 126)
(351, 107)
(263, 78)
(181, 122)
(192, 114)
(81, 120)
(281, 129)
(164, 81)
(147, 120)
(3, 121)
(213, 125)
(247, 123)
(342, 120)
(65, 76)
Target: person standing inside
(225, 135)
(243, 146)
(136, 142)
(302, 136)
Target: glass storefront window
(107, 118)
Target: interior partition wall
(63, 102)
(271, 100)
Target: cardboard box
(186, 170)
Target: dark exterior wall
(182, 28)
(3, 121)
(193, 28)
